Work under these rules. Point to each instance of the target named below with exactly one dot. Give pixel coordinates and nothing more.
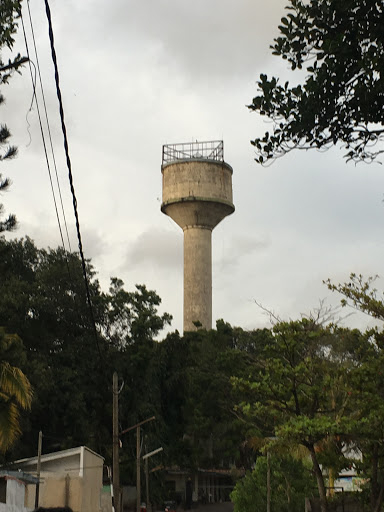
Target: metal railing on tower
(207, 150)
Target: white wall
(13, 508)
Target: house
(68, 478)
(208, 486)
(348, 479)
(13, 487)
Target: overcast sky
(137, 74)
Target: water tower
(197, 195)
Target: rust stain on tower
(197, 195)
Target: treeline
(183, 381)
(307, 390)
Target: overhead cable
(69, 166)
(48, 127)
(42, 131)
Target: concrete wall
(198, 178)
(106, 499)
(15, 492)
(74, 481)
(13, 508)
(197, 193)
(58, 492)
(60, 466)
(92, 482)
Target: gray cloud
(204, 39)
(48, 235)
(158, 249)
(234, 250)
(140, 74)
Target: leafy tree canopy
(42, 299)
(9, 12)
(368, 383)
(340, 45)
(197, 398)
(300, 392)
(360, 294)
(291, 483)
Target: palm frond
(9, 424)
(15, 384)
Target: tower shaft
(197, 278)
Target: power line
(42, 131)
(48, 127)
(69, 166)
(34, 97)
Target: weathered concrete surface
(197, 178)
(197, 278)
(72, 478)
(197, 195)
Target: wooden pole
(137, 427)
(138, 490)
(147, 485)
(38, 469)
(268, 482)
(115, 469)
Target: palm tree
(15, 392)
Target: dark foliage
(340, 44)
(9, 13)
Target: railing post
(210, 150)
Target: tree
(10, 222)
(368, 397)
(340, 44)
(132, 316)
(15, 390)
(300, 391)
(189, 379)
(9, 12)
(42, 298)
(359, 293)
(291, 483)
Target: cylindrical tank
(197, 195)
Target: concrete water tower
(197, 195)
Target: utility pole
(38, 469)
(146, 457)
(115, 419)
(137, 427)
(147, 486)
(268, 481)
(138, 489)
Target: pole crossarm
(147, 455)
(137, 425)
